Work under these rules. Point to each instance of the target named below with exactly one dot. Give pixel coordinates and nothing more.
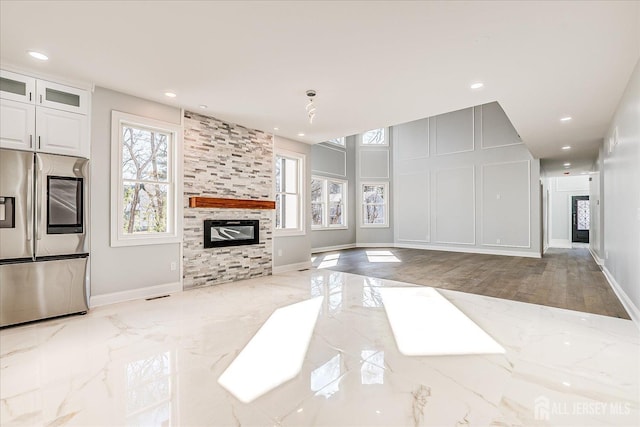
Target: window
(374, 137)
(337, 141)
(146, 205)
(289, 201)
(375, 200)
(328, 203)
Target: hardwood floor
(564, 278)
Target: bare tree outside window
(145, 180)
(335, 203)
(317, 202)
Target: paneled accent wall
(228, 161)
(464, 181)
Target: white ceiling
(372, 64)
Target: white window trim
(301, 230)
(385, 132)
(175, 193)
(325, 214)
(385, 184)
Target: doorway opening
(580, 219)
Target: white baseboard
(468, 250)
(375, 245)
(633, 311)
(333, 248)
(291, 267)
(133, 294)
(560, 243)
(596, 258)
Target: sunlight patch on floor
(329, 261)
(381, 256)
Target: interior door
(580, 219)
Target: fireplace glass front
(220, 233)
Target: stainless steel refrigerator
(43, 248)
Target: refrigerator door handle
(30, 205)
(37, 194)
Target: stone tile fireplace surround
(227, 161)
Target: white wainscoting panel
(506, 204)
(454, 132)
(413, 206)
(455, 220)
(374, 164)
(412, 140)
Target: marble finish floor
(563, 278)
(158, 362)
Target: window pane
(290, 175)
(374, 137)
(373, 194)
(144, 154)
(339, 141)
(583, 215)
(316, 191)
(316, 213)
(278, 211)
(286, 211)
(374, 214)
(145, 208)
(335, 192)
(335, 214)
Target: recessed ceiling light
(301, 134)
(566, 165)
(477, 85)
(565, 119)
(170, 94)
(566, 147)
(276, 128)
(38, 55)
(204, 107)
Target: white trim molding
(595, 257)
(291, 267)
(634, 312)
(332, 248)
(470, 250)
(134, 294)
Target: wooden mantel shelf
(214, 202)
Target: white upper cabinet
(17, 87)
(62, 132)
(17, 125)
(53, 95)
(43, 116)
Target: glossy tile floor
(158, 363)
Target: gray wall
(465, 182)
(596, 202)
(622, 193)
(132, 267)
(332, 161)
(288, 250)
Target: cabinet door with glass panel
(60, 97)
(16, 87)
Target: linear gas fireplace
(219, 233)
